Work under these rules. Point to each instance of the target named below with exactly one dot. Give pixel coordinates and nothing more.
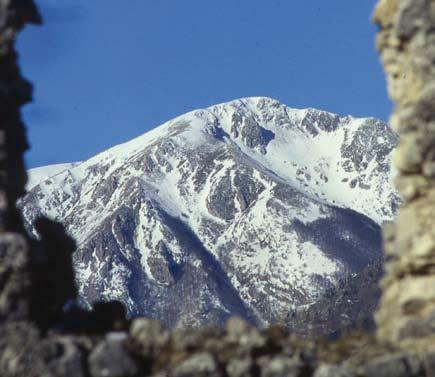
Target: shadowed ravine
(228, 295)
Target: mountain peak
(248, 207)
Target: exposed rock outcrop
(189, 227)
(407, 44)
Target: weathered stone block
(200, 365)
(327, 370)
(388, 366)
(429, 363)
(111, 359)
(14, 277)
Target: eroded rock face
(222, 212)
(407, 45)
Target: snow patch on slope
(238, 196)
(40, 174)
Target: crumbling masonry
(15, 91)
(406, 41)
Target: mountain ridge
(229, 175)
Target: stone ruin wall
(406, 316)
(406, 42)
(15, 91)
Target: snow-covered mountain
(38, 175)
(249, 208)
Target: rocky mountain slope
(249, 208)
(348, 306)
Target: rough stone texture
(14, 92)
(239, 367)
(17, 346)
(238, 351)
(201, 365)
(392, 365)
(282, 366)
(110, 358)
(406, 42)
(23, 352)
(328, 370)
(26, 268)
(429, 363)
(14, 277)
(61, 356)
(148, 336)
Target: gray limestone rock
(62, 357)
(429, 363)
(281, 366)
(148, 336)
(110, 358)
(390, 365)
(328, 370)
(15, 284)
(199, 365)
(240, 367)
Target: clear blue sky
(107, 71)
